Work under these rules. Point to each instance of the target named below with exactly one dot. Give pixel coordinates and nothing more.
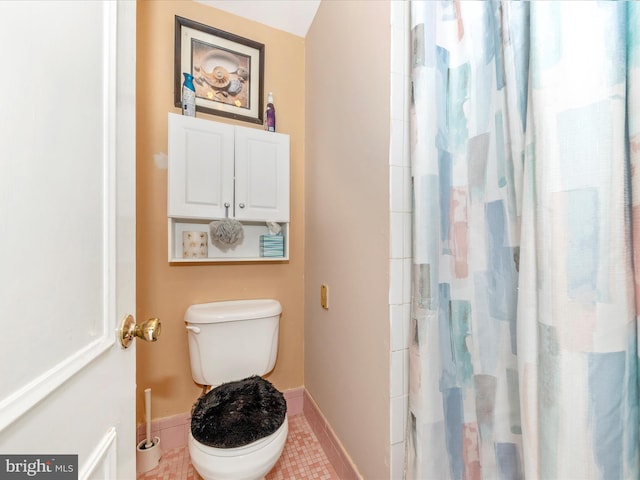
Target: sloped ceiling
(293, 16)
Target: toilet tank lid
(216, 312)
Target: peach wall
(166, 291)
(347, 225)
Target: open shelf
(247, 251)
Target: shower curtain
(525, 145)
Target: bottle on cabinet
(188, 96)
(270, 115)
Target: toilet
(231, 344)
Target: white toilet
(230, 341)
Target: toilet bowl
(230, 341)
(250, 462)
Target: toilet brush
(148, 451)
(147, 409)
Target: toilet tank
(232, 340)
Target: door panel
(200, 168)
(67, 248)
(262, 175)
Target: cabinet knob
(241, 205)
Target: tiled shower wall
(400, 234)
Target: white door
(67, 234)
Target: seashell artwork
(242, 73)
(235, 86)
(221, 75)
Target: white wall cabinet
(217, 170)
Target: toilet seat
(238, 413)
(249, 462)
(244, 450)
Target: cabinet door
(200, 168)
(262, 175)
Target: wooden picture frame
(228, 71)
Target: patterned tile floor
(302, 459)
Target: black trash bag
(238, 413)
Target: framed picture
(228, 71)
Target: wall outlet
(324, 296)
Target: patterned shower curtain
(525, 144)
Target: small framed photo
(228, 71)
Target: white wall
(400, 232)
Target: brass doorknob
(148, 330)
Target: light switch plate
(324, 296)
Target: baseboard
(330, 443)
(174, 431)
(295, 401)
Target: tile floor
(302, 459)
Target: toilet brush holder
(148, 456)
